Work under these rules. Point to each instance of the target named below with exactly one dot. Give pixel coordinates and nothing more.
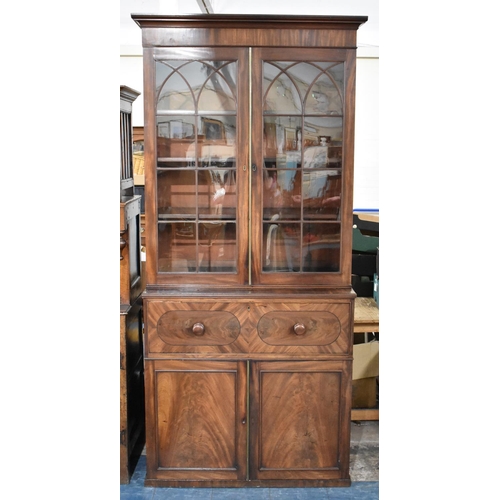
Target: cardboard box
(365, 375)
(365, 360)
(364, 393)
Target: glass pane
(217, 248)
(175, 89)
(176, 139)
(324, 96)
(176, 194)
(219, 130)
(196, 165)
(282, 134)
(218, 92)
(196, 85)
(321, 247)
(217, 193)
(281, 251)
(176, 247)
(189, 247)
(319, 252)
(322, 131)
(303, 76)
(281, 94)
(281, 193)
(322, 194)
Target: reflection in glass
(322, 131)
(188, 247)
(219, 90)
(281, 194)
(282, 135)
(294, 247)
(196, 85)
(302, 178)
(176, 247)
(324, 96)
(218, 130)
(287, 85)
(176, 193)
(281, 252)
(174, 91)
(196, 165)
(321, 248)
(217, 193)
(176, 138)
(322, 194)
(280, 92)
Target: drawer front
(190, 328)
(301, 327)
(308, 328)
(247, 327)
(174, 326)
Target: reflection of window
(175, 129)
(213, 130)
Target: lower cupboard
(247, 422)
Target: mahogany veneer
(248, 306)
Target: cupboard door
(302, 156)
(300, 426)
(196, 133)
(196, 420)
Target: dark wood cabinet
(248, 158)
(132, 414)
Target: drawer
(305, 328)
(191, 328)
(175, 326)
(247, 327)
(297, 328)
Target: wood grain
(199, 425)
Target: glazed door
(302, 151)
(196, 165)
(300, 420)
(236, 197)
(196, 420)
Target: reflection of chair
(271, 244)
(211, 231)
(280, 248)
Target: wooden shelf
(364, 414)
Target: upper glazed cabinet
(249, 167)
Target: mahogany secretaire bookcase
(248, 140)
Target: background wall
(366, 159)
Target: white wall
(366, 159)
(366, 139)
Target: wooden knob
(299, 328)
(199, 329)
